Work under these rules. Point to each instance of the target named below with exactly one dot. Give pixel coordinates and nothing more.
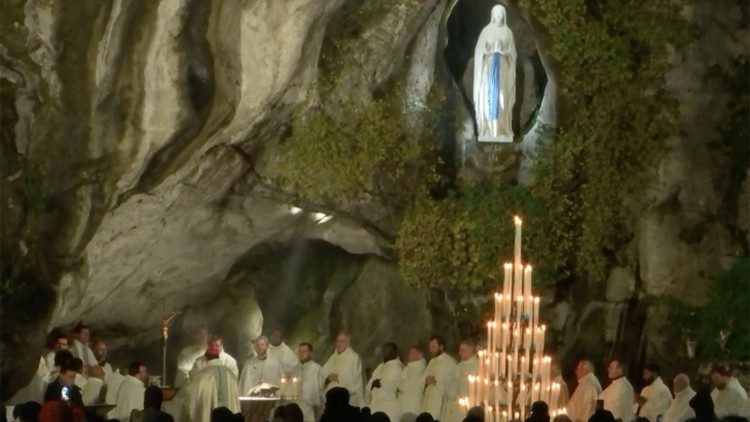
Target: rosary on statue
(513, 370)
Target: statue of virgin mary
(495, 79)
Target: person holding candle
(459, 386)
(619, 396)
(412, 382)
(380, 392)
(583, 402)
(440, 371)
(344, 369)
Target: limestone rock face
(135, 143)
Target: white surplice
(225, 360)
(258, 371)
(384, 399)
(83, 352)
(411, 387)
(348, 366)
(458, 388)
(285, 355)
(129, 397)
(442, 368)
(185, 362)
(680, 410)
(582, 403)
(211, 387)
(618, 398)
(728, 402)
(658, 398)
(310, 388)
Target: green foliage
(333, 156)
(462, 239)
(617, 117)
(726, 310)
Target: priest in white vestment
(260, 369)
(727, 396)
(582, 403)
(211, 387)
(619, 396)
(381, 389)
(45, 374)
(187, 357)
(216, 342)
(99, 347)
(411, 385)
(344, 369)
(459, 386)
(80, 347)
(680, 410)
(310, 386)
(655, 397)
(131, 392)
(438, 377)
(279, 350)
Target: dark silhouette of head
(222, 414)
(293, 413)
(424, 417)
(152, 397)
(390, 351)
(539, 412)
(62, 357)
(602, 416)
(703, 405)
(380, 417)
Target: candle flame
(517, 220)
(528, 268)
(508, 266)
(536, 300)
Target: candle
(489, 336)
(498, 306)
(510, 398)
(471, 389)
(555, 394)
(535, 315)
(517, 244)
(295, 386)
(522, 400)
(507, 288)
(540, 346)
(497, 395)
(519, 310)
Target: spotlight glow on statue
(495, 79)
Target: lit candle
(471, 389)
(489, 337)
(295, 386)
(535, 315)
(540, 347)
(507, 289)
(522, 400)
(510, 398)
(497, 396)
(555, 394)
(519, 310)
(498, 306)
(517, 246)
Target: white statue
(495, 79)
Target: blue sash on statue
(493, 87)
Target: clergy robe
(36, 387)
(658, 398)
(618, 398)
(583, 402)
(90, 388)
(384, 399)
(737, 386)
(310, 388)
(83, 352)
(443, 369)
(411, 387)
(458, 388)
(348, 366)
(213, 386)
(285, 355)
(728, 402)
(129, 397)
(185, 361)
(225, 360)
(113, 382)
(680, 410)
(258, 371)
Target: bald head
(261, 346)
(584, 368)
(681, 382)
(342, 342)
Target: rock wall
(135, 138)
